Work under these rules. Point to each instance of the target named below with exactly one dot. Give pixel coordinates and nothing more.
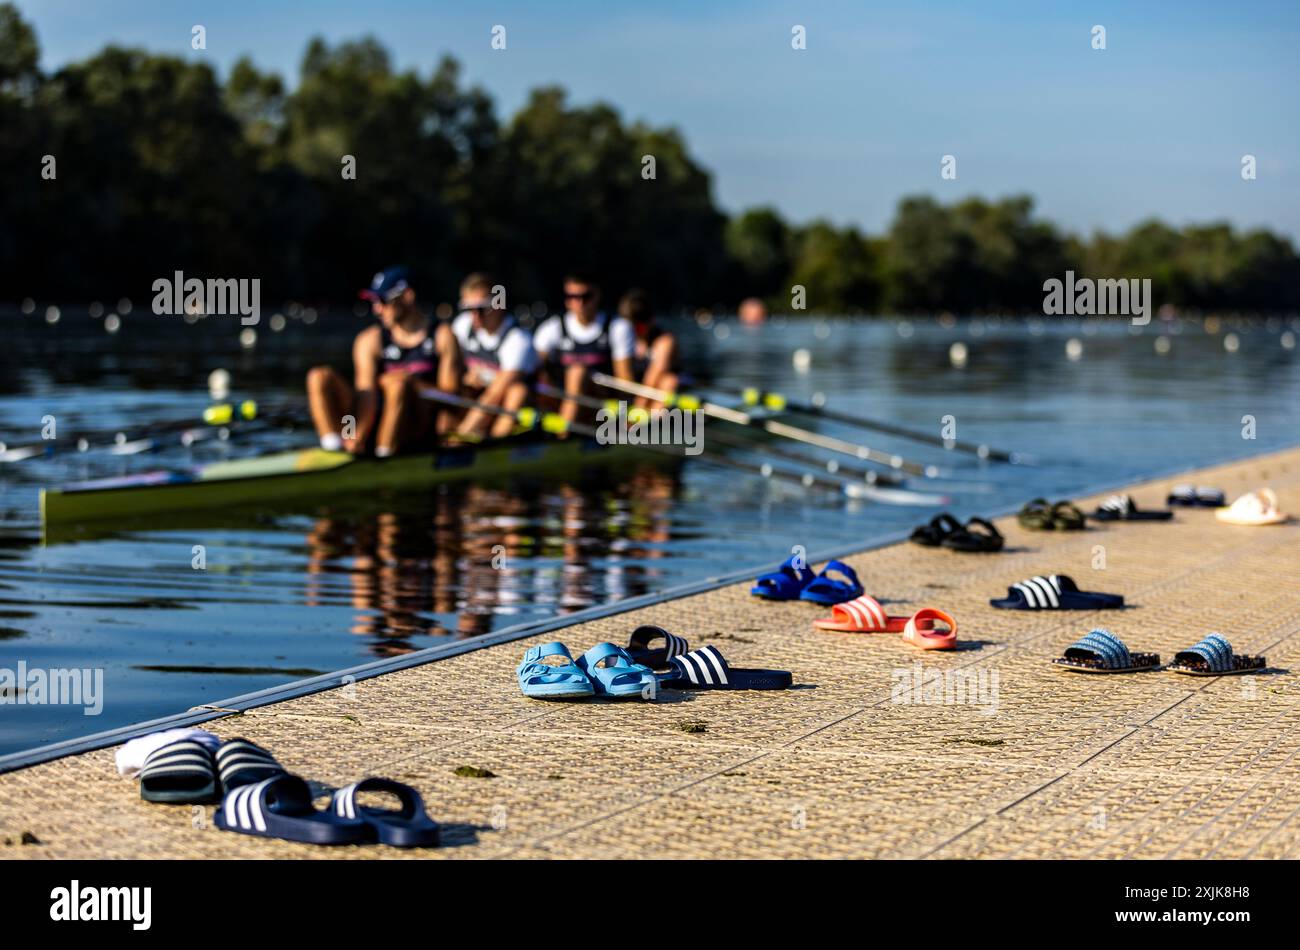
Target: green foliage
(162, 167)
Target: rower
(583, 341)
(392, 361)
(655, 362)
(498, 359)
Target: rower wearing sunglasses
(583, 341)
(497, 355)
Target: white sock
(331, 442)
(382, 451)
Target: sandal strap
(863, 612)
(178, 758)
(1214, 649)
(1040, 593)
(645, 634)
(603, 651)
(345, 799)
(241, 762)
(911, 631)
(555, 648)
(1105, 646)
(704, 666)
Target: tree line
(155, 164)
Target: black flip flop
(986, 539)
(1067, 517)
(931, 535)
(1037, 515)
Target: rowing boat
(309, 472)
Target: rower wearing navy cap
(392, 361)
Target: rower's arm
(365, 368)
(449, 360)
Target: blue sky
(1154, 125)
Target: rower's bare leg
(330, 398)
(475, 421)
(576, 383)
(515, 398)
(401, 404)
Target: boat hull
(307, 473)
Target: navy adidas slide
(407, 827)
(785, 583)
(639, 649)
(1055, 592)
(240, 762)
(281, 807)
(180, 773)
(706, 669)
(1189, 496)
(1124, 508)
(828, 591)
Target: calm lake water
(323, 585)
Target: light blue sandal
(540, 680)
(620, 676)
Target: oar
(555, 424)
(139, 439)
(868, 475)
(779, 403)
(807, 436)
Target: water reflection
(467, 557)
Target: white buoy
(822, 330)
(112, 323)
(248, 338)
(1163, 344)
(1074, 349)
(277, 322)
(1288, 340)
(124, 306)
(96, 309)
(721, 331)
(52, 315)
(957, 354)
(802, 360)
(1231, 342)
(905, 329)
(28, 305)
